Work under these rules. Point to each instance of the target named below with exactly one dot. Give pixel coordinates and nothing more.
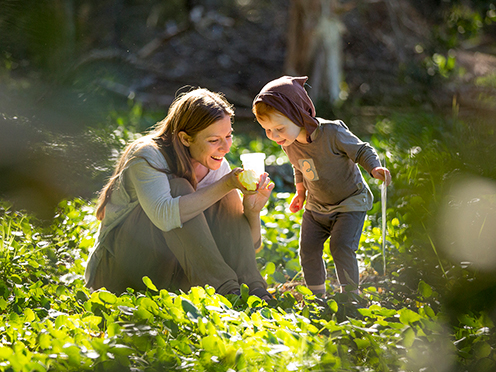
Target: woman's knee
(180, 186)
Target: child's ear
(184, 138)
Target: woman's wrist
(255, 224)
(231, 181)
(227, 182)
(252, 215)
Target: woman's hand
(382, 174)
(254, 201)
(232, 181)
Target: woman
(172, 211)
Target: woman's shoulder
(145, 148)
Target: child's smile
(281, 130)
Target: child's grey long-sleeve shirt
(328, 168)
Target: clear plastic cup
(254, 161)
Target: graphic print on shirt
(308, 169)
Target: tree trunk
(315, 46)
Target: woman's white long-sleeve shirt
(141, 184)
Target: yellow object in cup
(248, 179)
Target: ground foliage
(407, 320)
(50, 322)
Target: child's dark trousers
(344, 230)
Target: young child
(324, 155)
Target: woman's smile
(210, 146)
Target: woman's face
(211, 144)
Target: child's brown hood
(288, 96)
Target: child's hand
(297, 202)
(382, 174)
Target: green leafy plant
(402, 320)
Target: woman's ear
(184, 138)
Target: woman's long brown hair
(190, 112)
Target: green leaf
(210, 344)
(482, 350)
(5, 352)
(149, 284)
(120, 349)
(408, 337)
(16, 279)
(190, 309)
(149, 305)
(3, 304)
(92, 320)
(245, 292)
(107, 297)
(333, 305)
(361, 343)
(304, 290)
(408, 316)
(253, 301)
(142, 313)
(182, 346)
(424, 289)
(428, 311)
(293, 265)
(279, 277)
(113, 329)
(269, 269)
(60, 321)
(81, 296)
(469, 320)
(45, 341)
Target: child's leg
(313, 234)
(345, 237)
(232, 234)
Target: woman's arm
(153, 192)
(193, 204)
(164, 210)
(255, 228)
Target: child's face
(281, 130)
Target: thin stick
(384, 224)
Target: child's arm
(299, 198)
(382, 174)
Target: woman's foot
(262, 294)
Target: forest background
(81, 78)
